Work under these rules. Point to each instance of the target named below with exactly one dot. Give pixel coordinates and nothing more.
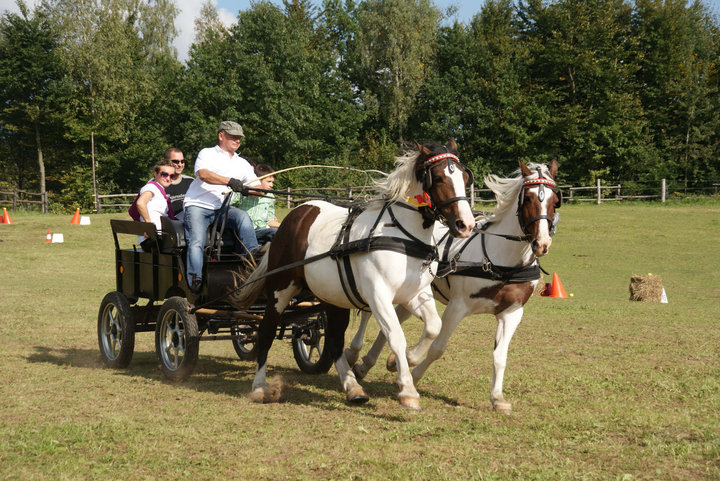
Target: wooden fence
(290, 197)
(22, 198)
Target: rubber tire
(302, 356)
(177, 341)
(242, 351)
(116, 330)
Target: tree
(395, 44)
(30, 73)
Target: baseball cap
(232, 128)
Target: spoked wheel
(308, 345)
(246, 350)
(116, 330)
(176, 339)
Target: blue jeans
(197, 221)
(265, 234)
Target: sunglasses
(172, 176)
(178, 161)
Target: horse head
(444, 180)
(537, 202)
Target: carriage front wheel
(308, 346)
(116, 330)
(176, 339)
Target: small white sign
(84, 220)
(663, 298)
(57, 238)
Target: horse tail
(243, 297)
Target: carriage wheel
(116, 330)
(246, 350)
(176, 339)
(308, 345)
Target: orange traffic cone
(557, 288)
(76, 217)
(6, 217)
(48, 237)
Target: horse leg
(508, 321)
(390, 326)
(338, 319)
(265, 336)
(352, 353)
(424, 308)
(370, 359)
(454, 313)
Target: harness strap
(347, 279)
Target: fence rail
(290, 197)
(18, 197)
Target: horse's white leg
(508, 321)
(354, 393)
(383, 310)
(426, 310)
(352, 352)
(454, 313)
(370, 359)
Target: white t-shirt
(214, 159)
(157, 206)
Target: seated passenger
(260, 205)
(178, 187)
(153, 202)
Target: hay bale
(647, 288)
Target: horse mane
(507, 189)
(394, 187)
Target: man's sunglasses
(178, 161)
(172, 176)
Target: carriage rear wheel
(116, 330)
(176, 339)
(308, 346)
(246, 350)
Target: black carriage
(152, 294)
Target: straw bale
(647, 288)
(540, 287)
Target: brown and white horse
(496, 273)
(399, 271)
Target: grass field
(602, 388)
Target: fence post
(664, 189)
(472, 196)
(288, 198)
(15, 198)
(599, 193)
(349, 192)
(46, 203)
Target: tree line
(611, 88)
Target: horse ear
(524, 168)
(553, 167)
(422, 149)
(451, 145)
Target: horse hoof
(257, 395)
(410, 403)
(357, 396)
(390, 364)
(359, 371)
(502, 407)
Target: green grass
(602, 388)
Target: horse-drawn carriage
(374, 258)
(152, 295)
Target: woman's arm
(142, 203)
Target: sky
(228, 9)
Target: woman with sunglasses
(153, 202)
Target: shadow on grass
(219, 375)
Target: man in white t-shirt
(216, 169)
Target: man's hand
(236, 185)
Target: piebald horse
(497, 272)
(394, 263)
